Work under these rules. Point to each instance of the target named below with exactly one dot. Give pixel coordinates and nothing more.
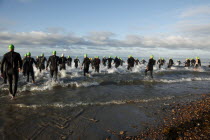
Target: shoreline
(188, 121)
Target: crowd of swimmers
(12, 64)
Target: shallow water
(118, 98)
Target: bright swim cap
(28, 54)
(54, 52)
(11, 47)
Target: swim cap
(28, 54)
(62, 55)
(76, 56)
(54, 52)
(42, 54)
(11, 47)
(68, 56)
(25, 54)
(85, 55)
(151, 56)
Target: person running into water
(76, 61)
(4, 73)
(13, 67)
(86, 64)
(92, 63)
(104, 60)
(97, 63)
(170, 63)
(24, 66)
(29, 62)
(109, 62)
(62, 62)
(137, 61)
(117, 62)
(130, 62)
(53, 62)
(187, 62)
(197, 62)
(150, 65)
(69, 61)
(179, 62)
(41, 62)
(121, 62)
(192, 62)
(143, 61)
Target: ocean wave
(77, 104)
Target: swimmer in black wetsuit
(13, 67)
(117, 62)
(86, 64)
(62, 62)
(29, 67)
(76, 61)
(53, 62)
(69, 61)
(109, 62)
(41, 62)
(97, 63)
(104, 60)
(130, 62)
(150, 65)
(170, 63)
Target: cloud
(102, 39)
(202, 10)
(195, 22)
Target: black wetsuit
(53, 61)
(137, 62)
(150, 65)
(76, 61)
(92, 63)
(69, 61)
(161, 62)
(24, 67)
(109, 63)
(62, 62)
(86, 63)
(41, 63)
(117, 62)
(131, 62)
(4, 73)
(198, 63)
(121, 62)
(192, 62)
(143, 61)
(37, 62)
(187, 63)
(104, 60)
(97, 63)
(179, 63)
(170, 63)
(13, 62)
(29, 67)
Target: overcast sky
(168, 28)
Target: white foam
(113, 102)
(184, 80)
